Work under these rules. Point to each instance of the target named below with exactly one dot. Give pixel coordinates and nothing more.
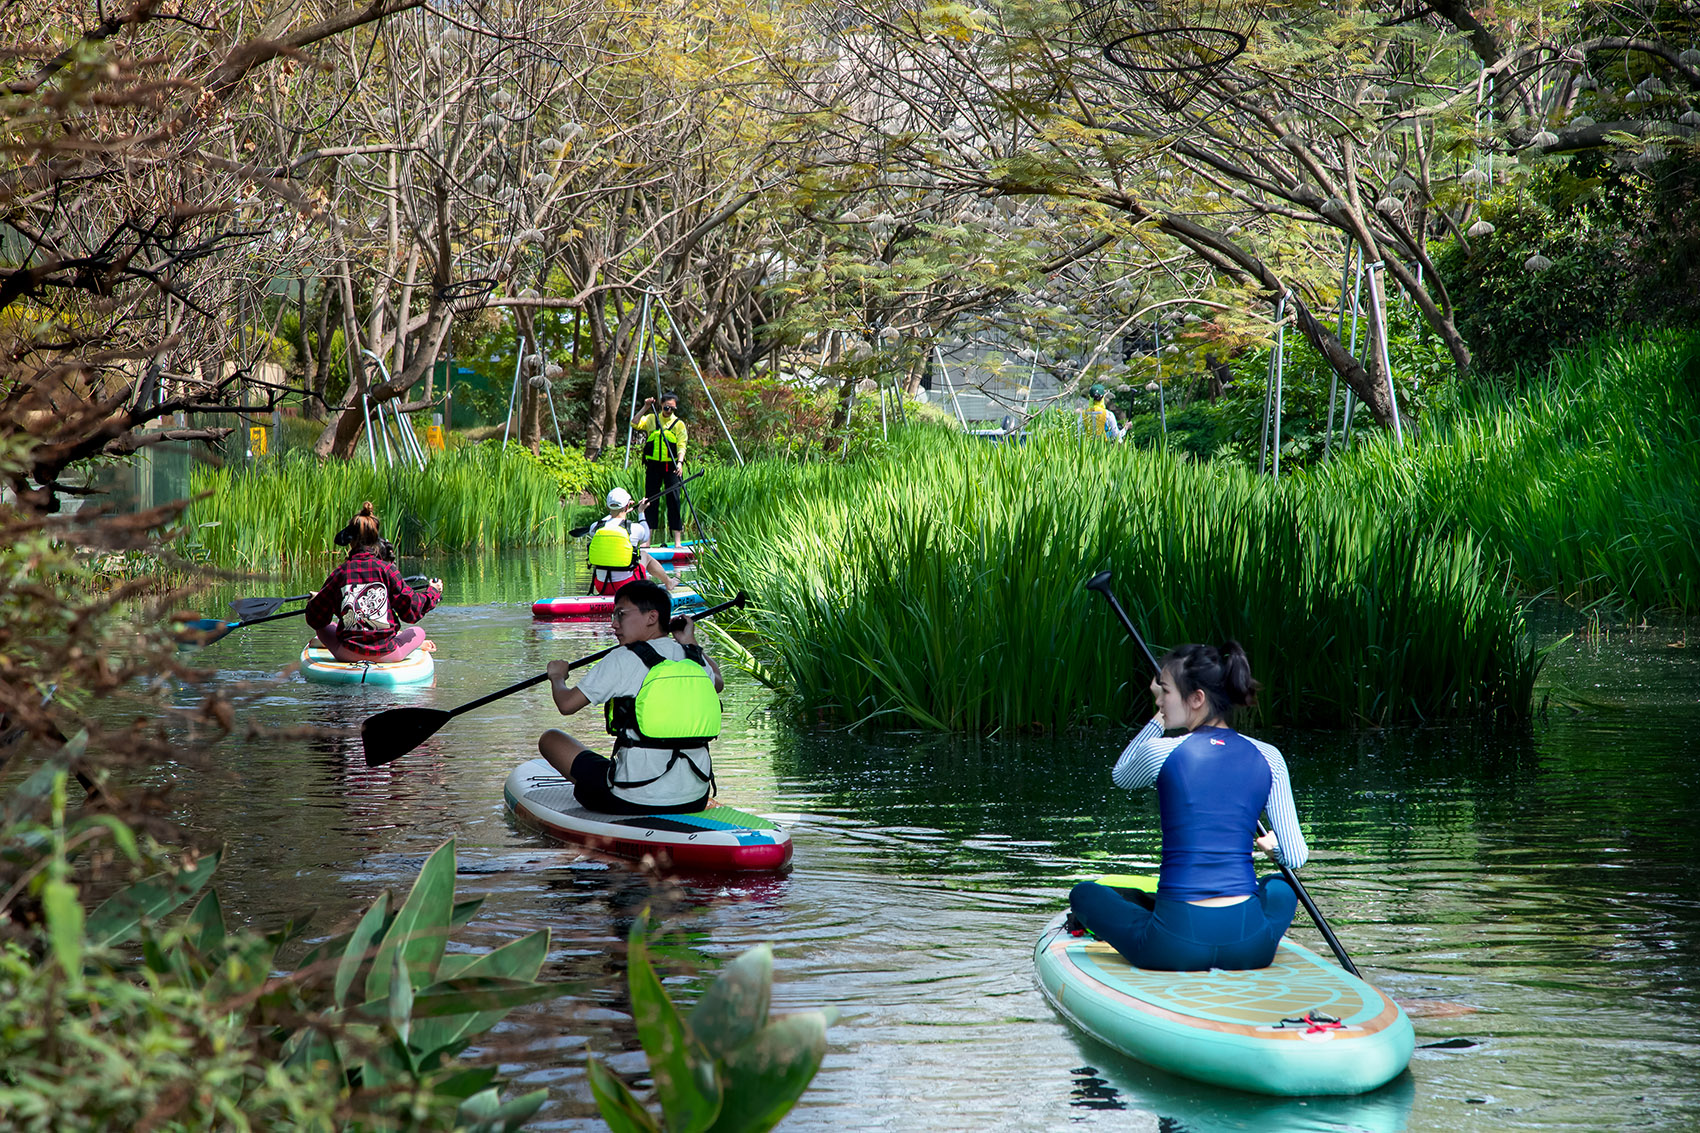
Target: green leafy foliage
(178, 1023)
(474, 498)
(938, 586)
(724, 1068)
(1624, 248)
(568, 467)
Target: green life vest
(664, 440)
(675, 707)
(611, 547)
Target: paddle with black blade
(253, 609)
(1101, 583)
(250, 612)
(581, 532)
(390, 735)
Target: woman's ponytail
(363, 530)
(1237, 680)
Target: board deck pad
(1296, 981)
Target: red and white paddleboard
(685, 600)
(719, 839)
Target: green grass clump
(289, 509)
(941, 586)
(1582, 479)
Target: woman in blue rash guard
(1210, 910)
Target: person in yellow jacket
(1097, 420)
(663, 462)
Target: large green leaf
(764, 1078)
(204, 929)
(467, 996)
(685, 1080)
(518, 959)
(735, 1007)
(421, 926)
(485, 1113)
(359, 941)
(118, 918)
(64, 915)
(623, 1112)
(401, 996)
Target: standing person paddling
(1212, 783)
(616, 549)
(358, 612)
(663, 462)
(663, 708)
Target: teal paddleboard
(1300, 1026)
(319, 666)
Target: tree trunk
(613, 369)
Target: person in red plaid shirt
(357, 614)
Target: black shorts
(590, 786)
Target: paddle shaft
(577, 532)
(290, 613)
(739, 600)
(1101, 584)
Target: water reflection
(1532, 895)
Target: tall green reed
(289, 509)
(941, 586)
(1580, 480)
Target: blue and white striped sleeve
(1143, 758)
(1283, 815)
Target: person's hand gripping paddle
(1101, 583)
(390, 735)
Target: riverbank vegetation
(475, 498)
(940, 584)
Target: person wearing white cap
(616, 550)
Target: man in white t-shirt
(640, 778)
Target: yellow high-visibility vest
(661, 435)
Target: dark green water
(1535, 894)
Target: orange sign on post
(257, 440)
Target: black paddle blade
(248, 609)
(1099, 582)
(390, 735)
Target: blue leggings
(1177, 936)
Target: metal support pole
(1269, 389)
(884, 435)
(951, 386)
(1339, 331)
(1378, 300)
(637, 374)
(680, 338)
(366, 420)
(1162, 405)
(1280, 381)
(1351, 399)
(549, 392)
(513, 395)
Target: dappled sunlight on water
(1533, 898)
